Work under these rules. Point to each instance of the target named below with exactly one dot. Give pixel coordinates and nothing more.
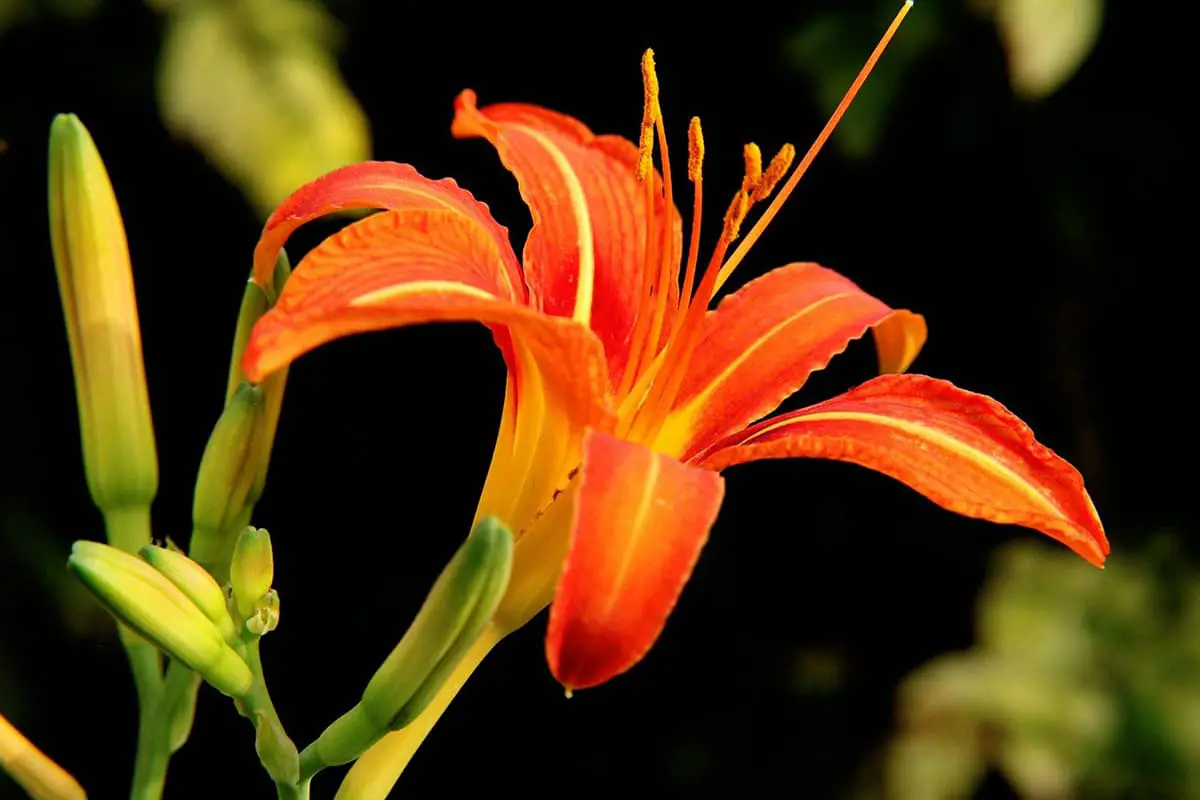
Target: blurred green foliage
(253, 84)
(1045, 43)
(1084, 683)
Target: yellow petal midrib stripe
(417, 287)
(586, 278)
(725, 374)
(988, 463)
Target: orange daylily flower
(626, 395)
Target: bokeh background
(1019, 171)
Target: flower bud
(156, 609)
(252, 570)
(228, 470)
(195, 582)
(91, 258)
(458, 607)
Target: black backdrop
(1045, 243)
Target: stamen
(695, 150)
(661, 395)
(754, 170)
(822, 137)
(696, 175)
(735, 216)
(775, 171)
(649, 116)
(668, 269)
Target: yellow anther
(754, 170)
(649, 116)
(735, 216)
(778, 167)
(695, 150)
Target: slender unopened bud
(91, 258)
(252, 570)
(195, 582)
(228, 470)
(458, 607)
(142, 598)
(256, 301)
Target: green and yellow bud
(142, 598)
(95, 281)
(229, 469)
(458, 607)
(252, 571)
(195, 582)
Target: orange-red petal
(586, 251)
(964, 451)
(400, 268)
(763, 341)
(382, 185)
(640, 521)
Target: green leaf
(253, 84)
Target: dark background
(1047, 244)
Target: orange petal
(763, 341)
(963, 451)
(406, 267)
(384, 185)
(587, 248)
(640, 520)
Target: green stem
(150, 765)
(259, 698)
(275, 748)
(128, 528)
(292, 791)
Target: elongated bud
(458, 607)
(142, 598)
(195, 582)
(255, 303)
(228, 470)
(91, 258)
(252, 571)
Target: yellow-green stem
(128, 528)
(376, 771)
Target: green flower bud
(156, 609)
(458, 607)
(230, 465)
(252, 570)
(95, 281)
(195, 582)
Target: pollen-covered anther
(735, 216)
(775, 171)
(754, 171)
(695, 150)
(649, 116)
